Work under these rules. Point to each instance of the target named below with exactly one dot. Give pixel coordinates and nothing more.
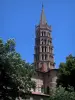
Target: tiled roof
(38, 93)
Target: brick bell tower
(43, 57)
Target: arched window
(45, 41)
(42, 57)
(48, 42)
(45, 48)
(45, 56)
(41, 41)
(42, 48)
(42, 33)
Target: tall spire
(43, 18)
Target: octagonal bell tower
(43, 57)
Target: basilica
(46, 73)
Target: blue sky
(19, 17)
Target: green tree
(15, 73)
(61, 94)
(67, 72)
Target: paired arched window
(43, 41)
(43, 33)
(44, 49)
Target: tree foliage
(67, 72)
(15, 73)
(61, 94)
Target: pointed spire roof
(43, 18)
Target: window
(46, 57)
(45, 41)
(42, 48)
(45, 48)
(41, 41)
(42, 57)
(42, 33)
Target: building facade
(46, 74)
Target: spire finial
(43, 19)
